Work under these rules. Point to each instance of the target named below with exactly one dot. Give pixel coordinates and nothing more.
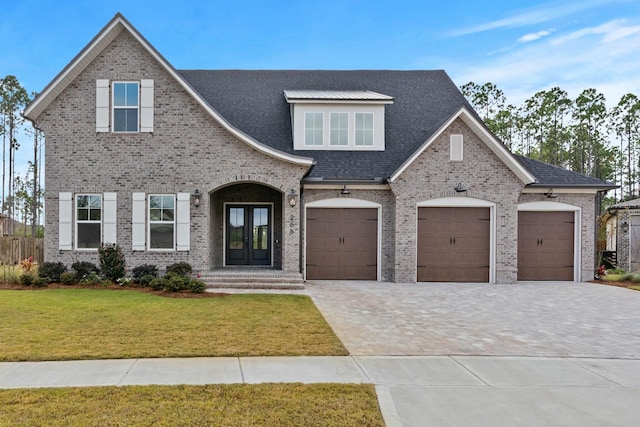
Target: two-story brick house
(372, 175)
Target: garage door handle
(454, 240)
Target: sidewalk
(412, 391)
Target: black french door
(248, 235)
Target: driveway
(529, 354)
(556, 319)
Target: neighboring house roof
(554, 176)
(629, 204)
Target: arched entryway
(246, 224)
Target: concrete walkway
(412, 391)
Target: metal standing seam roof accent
(337, 95)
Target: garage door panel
(343, 246)
(546, 245)
(453, 244)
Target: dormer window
(338, 120)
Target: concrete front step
(252, 279)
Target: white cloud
(544, 13)
(534, 36)
(604, 57)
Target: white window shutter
(65, 214)
(183, 218)
(138, 223)
(455, 149)
(109, 217)
(102, 105)
(146, 105)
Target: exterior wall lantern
(624, 226)
(344, 190)
(292, 196)
(197, 198)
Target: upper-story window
(313, 128)
(364, 129)
(125, 106)
(338, 120)
(339, 129)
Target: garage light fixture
(624, 226)
(344, 190)
(460, 188)
(550, 194)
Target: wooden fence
(15, 249)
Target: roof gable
(481, 131)
(108, 33)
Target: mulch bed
(618, 284)
(113, 287)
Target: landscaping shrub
(145, 280)
(158, 283)
(144, 270)
(92, 278)
(51, 271)
(27, 279)
(176, 282)
(626, 277)
(41, 282)
(180, 268)
(84, 269)
(68, 278)
(112, 261)
(197, 286)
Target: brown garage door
(453, 244)
(342, 244)
(545, 245)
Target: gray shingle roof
(554, 176)
(254, 102)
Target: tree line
(580, 134)
(21, 196)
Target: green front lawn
(66, 324)
(214, 405)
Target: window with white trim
(339, 129)
(162, 220)
(124, 107)
(313, 128)
(364, 129)
(126, 102)
(88, 221)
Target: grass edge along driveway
(76, 324)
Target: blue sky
(521, 46)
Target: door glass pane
(236, 228)
(260, 228)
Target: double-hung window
(88, 221)
(364, 129)
(162, 221)
(314, 126)
(126, 106)
(339, 129)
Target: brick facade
(188, 150)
